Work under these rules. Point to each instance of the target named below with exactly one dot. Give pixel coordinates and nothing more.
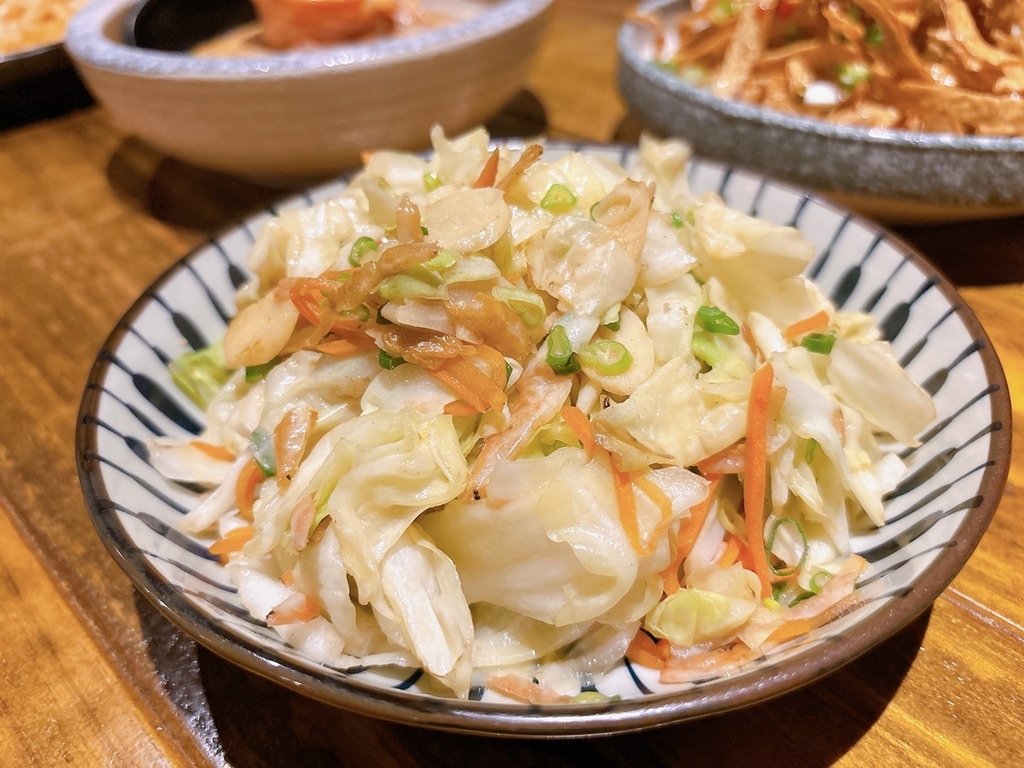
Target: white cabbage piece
(579, 262)
(407, 386)
(547, 541)
(373, 474)
(589, 178)
(715, 603)
(420, 605)
(759, 264)
(664, 257)
(671, 309)
(592, 655)
(458, 161)
(663, 161)
(869, 378)
(504, 638)
(305, 242)
(671, 419)
(184, 461)
(402, 172)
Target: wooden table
(91, 674)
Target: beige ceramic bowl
(294, 115)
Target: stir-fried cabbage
(500, 418)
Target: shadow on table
(184, 196)
(249, 722)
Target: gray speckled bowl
(308, 113)
(896, 176)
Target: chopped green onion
(593, 697)
(666, 65)
(445, 259)
(263, 451)
(819, 580)
(677, 220)
(770, 543)
(425, 231)
(254, 373)
(810, 450)
(431, 181)
(606, 356)
(508, 372)
(424, 285)
(388, 362)
(614, 325)
(874, 36)
(527, 304)
(852, 75)
(714, 320)
(359, 249)
(558, 199)
(819, 343)
(560, 356)
(200, 374)
(723, 10)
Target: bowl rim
(634, 35)
(563, 720)
(87, 44)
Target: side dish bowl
(935, 516)
(312, 112)
(895, 176)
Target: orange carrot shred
(489, 174)
(731, 553)
(755, 472)
(337, 348)
(245, 488)
(808, 324)
(625, 499)
(459, 408)
(643, 650)
(652, 491)
(728, 461)
(689, 529)
(218, 452)
(578, 422)
(233, 541)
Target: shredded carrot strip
(218, 452)
(489, 173)
(245, 488)
(625, 499)
(652, 491)
(233, 541)
(471, 384)
(755, 467)
(288, 577)
(796, 627)
(643, 650)
(731, 553)
(459, 408)
(495, 364)
(728, 461)
(337, 348)
(580, 425)
(689, 529)
(519, 688)
(808, 324)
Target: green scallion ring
(714, 320)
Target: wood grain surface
(90, 674)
